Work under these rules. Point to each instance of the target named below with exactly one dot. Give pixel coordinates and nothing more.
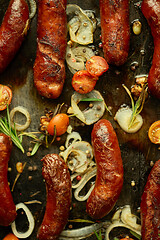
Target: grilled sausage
(58, 187)
(150, 205)
(7, 206)
(115, 30)
(109, 178)
(49, 67)
(151, 11)
(12, 31)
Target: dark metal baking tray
(137, 150)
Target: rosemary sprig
(5, 127)
(138, 106)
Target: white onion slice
(89, 115)
(123, 117)
(81, 233)
(72, 138)
(80, 159)
(25, 112)
(76, 57)
(83, 182)
(33, 8)
(80, 27)
(130, 219)
(124, 218)
(30, 221)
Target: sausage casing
(49, 67)
(58, 187)
(12, 31)
(151, 11)
(109, 178)
(115, 30)
(150, 205)
(7, 206)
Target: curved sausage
(151, 11)
(7, 206)
(58, 187)
(12, 31)
(150, 205)
(49, 67)
(115, 30)
(109, 178)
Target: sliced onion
(80, 160)
(89, 175)
(130, 219)
(25, 112)
(123, 117)
(124, 218)
(76, 57)
(89, 115)
(81, 233)
(33, 8)
(80, 27)
(30, 221)
(72, 138)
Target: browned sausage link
(12, 31)
(115, 30)
(150, 205)
(151, 11)
(49, 67)
(58, 187)
(109, 178)
(7, 206)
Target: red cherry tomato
(96, 66)
(5, 96)
(61, 122)
(154, 132)
(83, 82)
(10, 236)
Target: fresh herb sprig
(99, 236)
(138, 106)
(5, 127)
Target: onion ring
(82, 233)
(30, 221)
(33, 8)
(25, 112)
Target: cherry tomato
(83, 82)
(96, 66)
(154, 132)
(10, 236)
(5, 96)
(61, 122)
(126, 238)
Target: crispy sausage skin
(151, 11)
(115, 30)
(12, 31)
(150, 205)
(7, 206)
(58, 187)
(49, 67)
(109, 178)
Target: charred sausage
(58, 187)
(150, 205)
(109, 178)
(49, 67)
(7, 206)
(115, 30)
(12, 31)
(151, 11)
